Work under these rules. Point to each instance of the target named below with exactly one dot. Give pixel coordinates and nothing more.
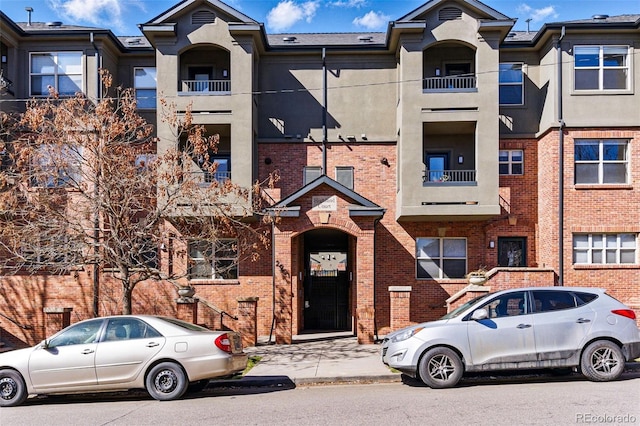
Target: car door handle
(583, 320)
(152, 344)
(87, 351)
(524, 325)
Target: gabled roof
(474, 4)
(168, 14)
(362, 206)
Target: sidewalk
(339, 359)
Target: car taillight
(223, 343)
(629, 313)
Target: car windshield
(184, 324)
(457, 311)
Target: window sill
(204, 281)
(602, 92)
(592, 266)
(607, 186)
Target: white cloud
(372, 20)
(537, 15)
(287, 13)
(103, 13)
(349, 3)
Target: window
(213, 260)
(508, 305)
(511, 90)
(550, 300)
(601, 161)
(81, 333)
(56, 166)
(510, 162)
(61, 70)
(311, 173)
(441, 257)
(601, 67)
(604, 249)
(145, 82)
(50, 251)
(127, 329)
(344, 175)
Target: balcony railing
(206, 86)
(448, 176)
(457, 83)
(208, 177)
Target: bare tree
(81, 185)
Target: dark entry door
(512, 251)
(326, 301)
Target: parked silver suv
(537, 327)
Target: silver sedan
(163, 355)
(537, 327)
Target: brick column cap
(399, 288)
(248, 299)
(56, 310)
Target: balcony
(205, 87)
(456, 83)
(204, 178)
(449, 177)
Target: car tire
(602, 361)
(13, 391)
(166, 381)
(440, 368)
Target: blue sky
(300, 16)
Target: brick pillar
(187, 309)
(247, 320)
(56, 319)
(283, 289)
(365, 288)
(400, 306)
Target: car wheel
(197, 386)
(440, 368)
(602, 361)
(13, 391)
(166, 381)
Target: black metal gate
(327, 301)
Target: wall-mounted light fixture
(460, 159)
(437, 72)
(225, 73)
(267, 160)
(4, 59)
(384, 161)
(492, 244)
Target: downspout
(96, 219)
(324, 111)
(560, 164)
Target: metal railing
(455, 83)
(443, 176)
(206, 86)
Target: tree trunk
(127, 290)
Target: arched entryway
(327, 280)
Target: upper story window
(145, 82)
(511, 84)
(601, 67)
(601, 161)
(344, 175)
(60, 70)
(439, 258)
(311, 173)
(213, 260)
(510, 162)
(604, 248)
(56, 166)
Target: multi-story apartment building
(407, 158)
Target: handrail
(24, 327)
(505, 204)
(449, 176)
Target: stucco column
(283, 289)
(247, 320)
(365, 320)
(400, 306)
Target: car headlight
(404, 335)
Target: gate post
(247, 324)
(400, 306)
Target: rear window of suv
(549, 300)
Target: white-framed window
(438, 258)
(601, 67)
(216, 260)
(51, 251)
(56, 166)
(311, 173)
(344, 175)
(510, 162)
(605, 248)
(145, 83)
(511, 81)
(60, 70)
(601, 161)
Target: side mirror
(479, 314)
(45, 344)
